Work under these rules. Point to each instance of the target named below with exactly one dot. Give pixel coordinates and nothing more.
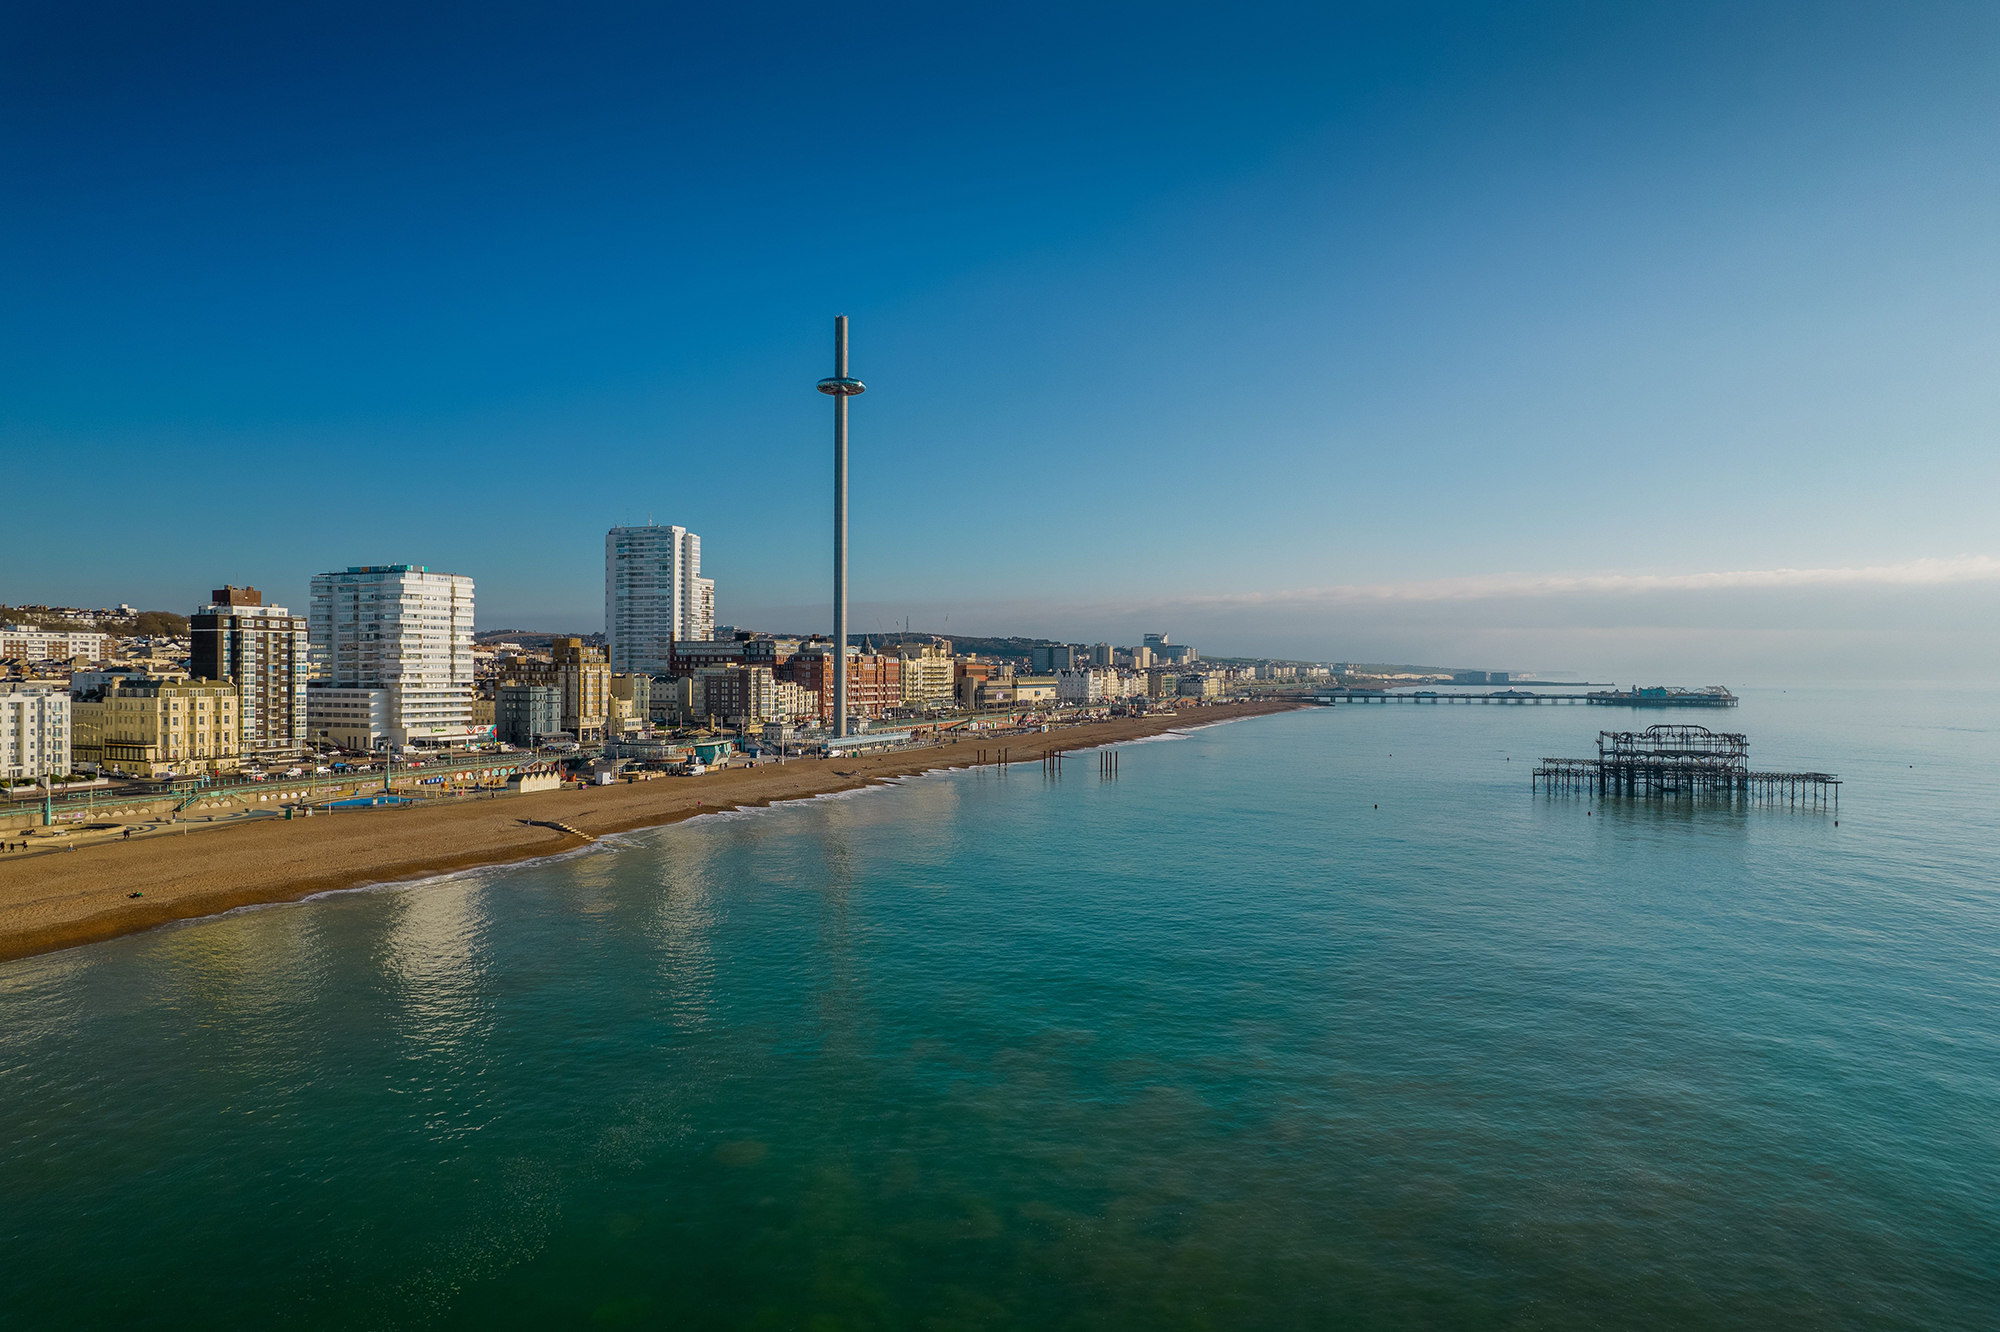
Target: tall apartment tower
(654, 596)
(265, 651)
(397, 637)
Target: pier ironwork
(1663, 761)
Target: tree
(154, 624)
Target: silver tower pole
(841, 388)
(840, 530)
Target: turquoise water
(1317, 1019)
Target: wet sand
(54, 901)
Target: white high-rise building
(403, 630)
(654, 596)
(34, 730)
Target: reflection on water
(682, 919)
(1274, 1031)
(433, 958)
(440, 1005)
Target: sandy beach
(57, 901)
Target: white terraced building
(654, 596)
(25, 644)
(34, 731)
(406, 631)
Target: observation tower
(841, 388)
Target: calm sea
(1311, 1020)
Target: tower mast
(841, 388)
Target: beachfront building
(347, 717)
(654, 596)
(622, 717)
(794, 703)
(1082, 686)
(631, 701)
(1033, 689)
(743, 696)
(407, 631)
(874, 681)
(585, 677)
(874, 684)
(927, 674)
(969, 676)
(582, 679)
(266, 651)
(1197, 684)
(748, 696)
(673, 701)
(525, 714)
(1008, 691)
(23, 643)
(154, 726)
(35, 734)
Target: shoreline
(50, 903)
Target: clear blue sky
(1250, 322)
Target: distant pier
(1681, 760)
(1714, 696)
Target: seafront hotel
(402, 631)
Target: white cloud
(1909, 573)
(1925, 619)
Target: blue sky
(1544, 336)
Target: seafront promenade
(104, 814)
(113, 888)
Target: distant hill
(533, 638)
(1385, 668)
(985, 647)
(152, 624)
(145, 624)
